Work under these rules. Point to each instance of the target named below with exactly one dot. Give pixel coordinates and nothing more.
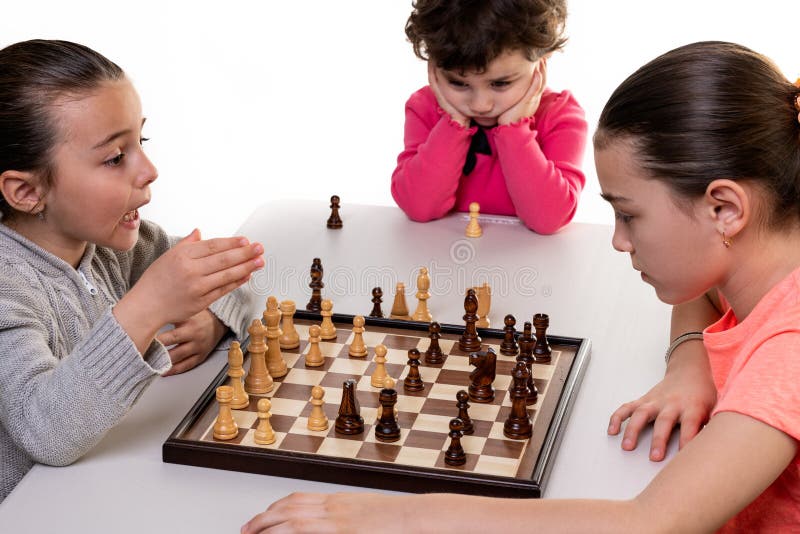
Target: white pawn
(317, 420)
(264, 434)
(357, 348)
(327, 329)
(314, 356)
(379, 375)
(473, 228)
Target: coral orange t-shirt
(756, 368)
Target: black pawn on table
(470, 341)
(434, 353)
(480, 387)
(413, 380)
(377, 299)
(509, 345)
(349, 420)
(387, 428)
(518, 425)
(455, 454)
(334, 221)
(526, 343)
(316, 285)
(541, 351)
(462, 397)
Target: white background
(255, 101)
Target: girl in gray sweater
(85, 284)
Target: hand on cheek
(434, 81)
(530, 101)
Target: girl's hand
(193, 341)
(685, 396)
(321, 513)
(183, 281)
(529, 103)
(433, 81)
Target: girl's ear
(729, 205)
(21, 190)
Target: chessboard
(495, 465)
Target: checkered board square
(495, 465)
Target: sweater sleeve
(429, 169)
(57, 409)
(541, 159)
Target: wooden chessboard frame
(309, 466)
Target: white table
(588, 290)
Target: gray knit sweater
(68, 371)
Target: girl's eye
(115, 161)
(457, 83)
(143, 139)
(501, 84)
(622, 217)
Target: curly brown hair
(468, 34)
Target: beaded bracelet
(688, 336)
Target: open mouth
(131, 216)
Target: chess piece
(289, 339)
(455, 454)
(388, 383)
(316, 285)
(470, 341)
(509, 345)
(225, 427)
(387, 429)
(272, 318)
(264, 434)
(484, 294)
(379, 375)
(434, 353)
(334, 221)
(314, 356)
(317, 421)
(473, 227)
(518, 425)
(258, 381)
(423, 285)
(399, 308)
(349, 420)
(480, 386)
(541, 351)
(377, 299)
(461, 403)
(235, 372)
(526, 342)
(413, 380)
(357, 347)
(327, 329)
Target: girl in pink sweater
(486, 129)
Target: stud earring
(726, 241)
(40, 214)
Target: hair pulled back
(33, 74)
(468, 34)
(711, 110)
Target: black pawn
(434, 353)
(455, 454)
(316, 285)
(509, 345)
(518, 425)
(334, 221)
(413, 380)
(349, 420)
(377, 299)
(462, 397)
(542, 350)
(387, 428)
(470, 341)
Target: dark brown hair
(33, 74)
(468, 34)
(711, 110)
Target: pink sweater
(533, 171)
